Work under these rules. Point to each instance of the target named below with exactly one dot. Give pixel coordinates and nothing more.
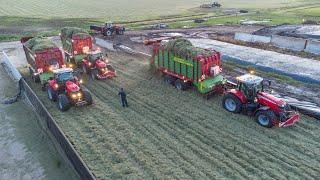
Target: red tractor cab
(65, 88)
(97, 66)
(109, 29)
(249, 96)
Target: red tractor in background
(108, 29)
(97, 66)
(80, 52)
(65, 88)
(249, 96)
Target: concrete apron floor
(301, 69)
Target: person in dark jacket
(123, 96)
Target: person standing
(123, 96)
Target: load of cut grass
(68, 32)
(184, 48)
(39, 43)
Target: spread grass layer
(166, 133)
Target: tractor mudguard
(238, 94)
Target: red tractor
(108, 29)
(249, 96)
(65, 88)
(97, 66)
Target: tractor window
(52, 62)
(65, 76)
(94, 57)
(249, 91)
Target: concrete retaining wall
(292, 43)
(252, 38)
(58, 134)
(313, 46)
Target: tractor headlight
(103, 70)
(89, 64)
(79, 94)
(74, 96)
(56, 86)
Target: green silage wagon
(184, 65)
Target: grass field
(31, 17)
(169, 134)
(122, 9)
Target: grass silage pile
(184, 48)
(39, 43)
(68, 32)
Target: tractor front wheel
(265, 118)
(231, 103)
(87, 97)
(51, 94)
(63, 102)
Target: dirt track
(166, 133)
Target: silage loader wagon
(184, 65)
(43, 56)
(76, 43)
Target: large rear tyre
(169, 79)
(179, 84)
(231, 103)
(87, 97)
(63, 102)
(51, 94)
(265, 118)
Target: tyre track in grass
(97, 129)
(138, 126)
(290, 132)
(88, 137)
(161, 124)
(128, 148)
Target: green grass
(171, 134)
(28, 17)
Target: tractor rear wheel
(87, 97)
(179, 84)
(265, 118)
(169, 79)
(51, 94)
(231, 103)
(63, 102)
(94, 74)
